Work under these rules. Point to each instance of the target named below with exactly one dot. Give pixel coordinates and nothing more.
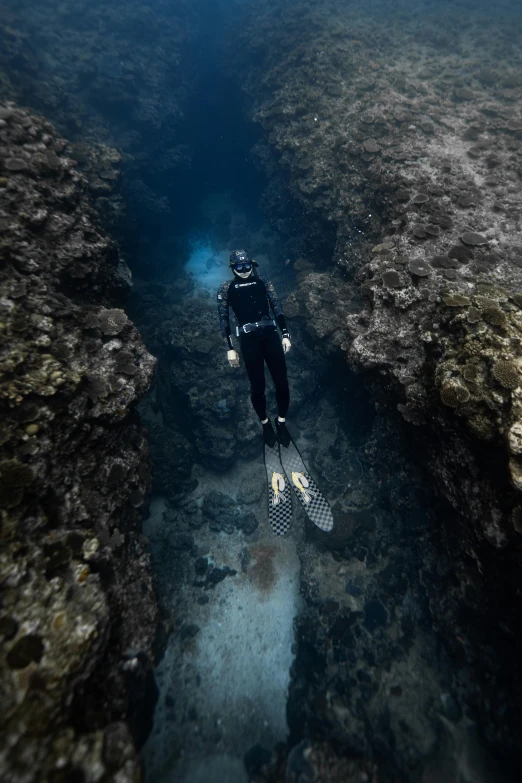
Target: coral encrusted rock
(507, 374)
(408, 199)
(78, 612)
(420, 240)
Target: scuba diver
(252, 297)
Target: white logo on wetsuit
(241, 285)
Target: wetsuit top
(251, 300)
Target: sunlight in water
(207, 267)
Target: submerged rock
(308, 762)
(77, 588)
(444, 348)
(225, 514)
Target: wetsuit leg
(252, 351)
(276, 363)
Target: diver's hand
(233, 358)
(286, 344)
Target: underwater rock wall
(111, 73)
(113, 78)
(395, 132)
(401, 130)
(78, 613)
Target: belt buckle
(246, 331)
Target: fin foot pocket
(283, 436)
(269, 435)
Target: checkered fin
(279, 503)
(310, 497)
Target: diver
(252, 298)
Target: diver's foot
(269, 435)
(283, 435)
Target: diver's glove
(286, 344)
(233, 358)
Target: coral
(470, 372)
(65, 631)
(444, 262)
(495, 316)
(473, 239)
(97, 387)
(419, 268)
(455, 300)
(412, 352)
(507, 374)
(15, 164)
(453, 394)
(392, 279)
(383, 247)
(460, 253)
(467, 200)
(112, 321)
(463, 94)
(372, 146)
(125, 363)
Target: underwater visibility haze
(196, 587)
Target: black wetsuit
(253, 300)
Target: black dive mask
(242, 267)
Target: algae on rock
(78, 614)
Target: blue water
(207, 267)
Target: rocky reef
(112, 74)
(78, 614)
(393, 145)
(395, 132)
(318, 762)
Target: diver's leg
(252, 352)
(276, 363)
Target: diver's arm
(224, 314)
(278, 313)
(224, 322)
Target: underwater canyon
(153, 627)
